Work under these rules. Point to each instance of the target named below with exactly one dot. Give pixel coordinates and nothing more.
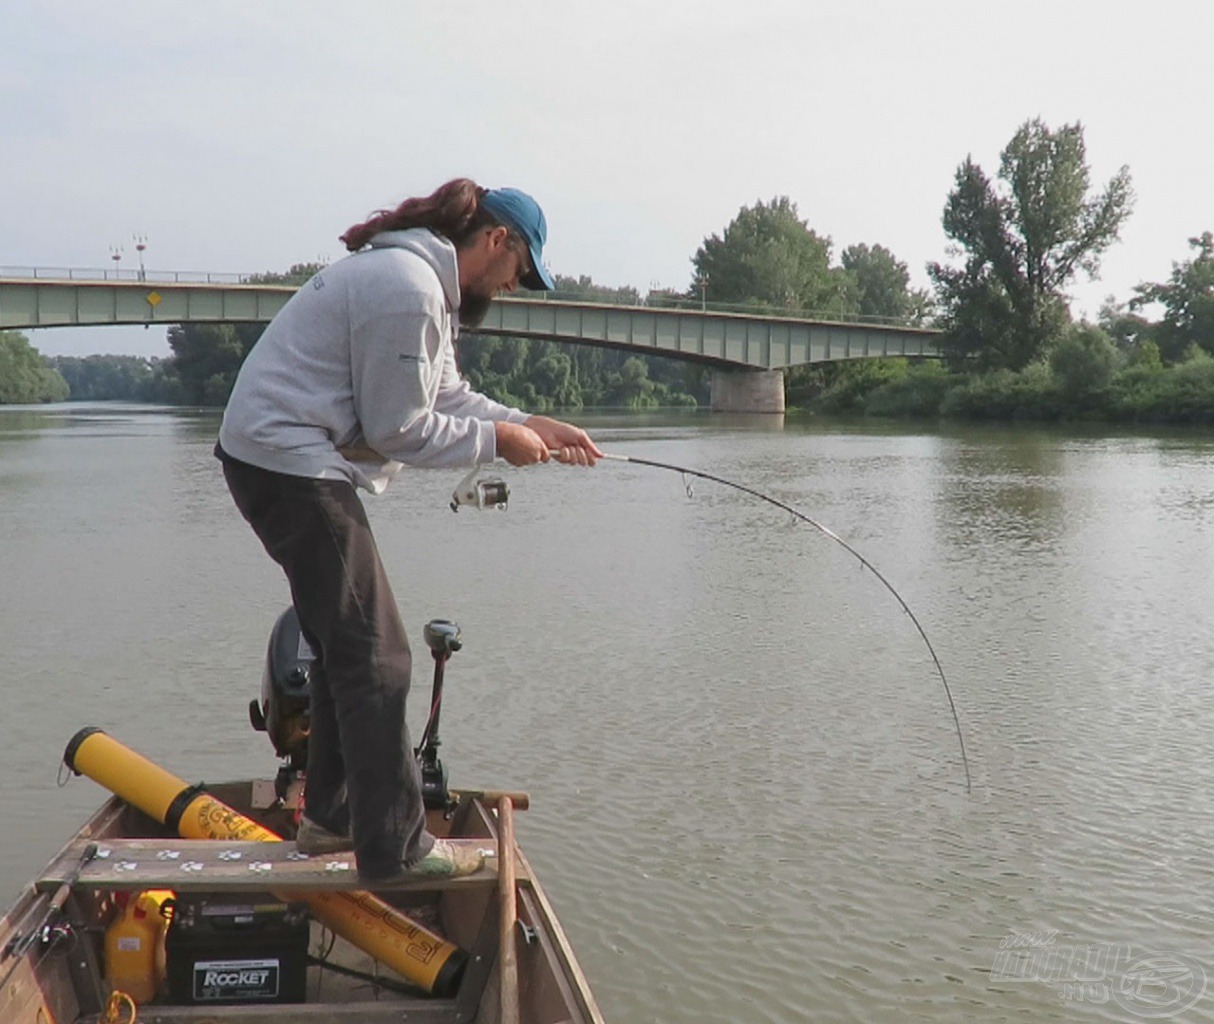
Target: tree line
(1018, 239)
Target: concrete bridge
(747, 351)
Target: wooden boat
(130, 921)
(519, 967)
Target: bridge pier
(747, 391)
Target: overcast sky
(244, 136)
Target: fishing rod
(493, 493)
(20, 944)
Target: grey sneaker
(446, 860)
(317, 841)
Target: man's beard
(473, 308)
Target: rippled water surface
(747, 798)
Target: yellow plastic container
(134, 945)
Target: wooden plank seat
(200, 865)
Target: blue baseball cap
(522, 214)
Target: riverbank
(1075, 386)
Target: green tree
(207, 357)
(583, 288)
(1023, 242)
(846, 385)
(769, 257)
(1083, 363)
(99, 378)
(1127, 329)
(553, 377)
(878, 283)
(25, 375)
(1187, 298)
(299, 274)
(632, 387)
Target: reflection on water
(747, 798)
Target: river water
(748, 802)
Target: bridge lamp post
(141, 243)
(116, 255)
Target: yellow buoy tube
(367, 922)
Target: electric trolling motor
(443, 639)
(283, 710)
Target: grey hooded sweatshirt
(356, 375)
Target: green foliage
(553, 378)
(25, 375)
(847, 385)
(1023, 242)
(1085, 377)
(877, 284)
(1134, 393)
(99, 378)
(770, 258)
(1188, 301)
(583, 289)
(1146, 354)
(1184, 393)
(1031, 393)
(206, 359)
(103, 378)
(300, 273)
(917, 393)
(1126, 329)
(1082, 363)
(542, 376)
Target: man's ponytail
(452, 210)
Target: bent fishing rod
(495, 493)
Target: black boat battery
(227, 950)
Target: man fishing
(353, 378)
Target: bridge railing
(655, 301)
(741, 308)
(133, 274)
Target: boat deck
(122, 850)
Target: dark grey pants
(362, 775)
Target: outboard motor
(285, 689)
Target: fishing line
(809, 520)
